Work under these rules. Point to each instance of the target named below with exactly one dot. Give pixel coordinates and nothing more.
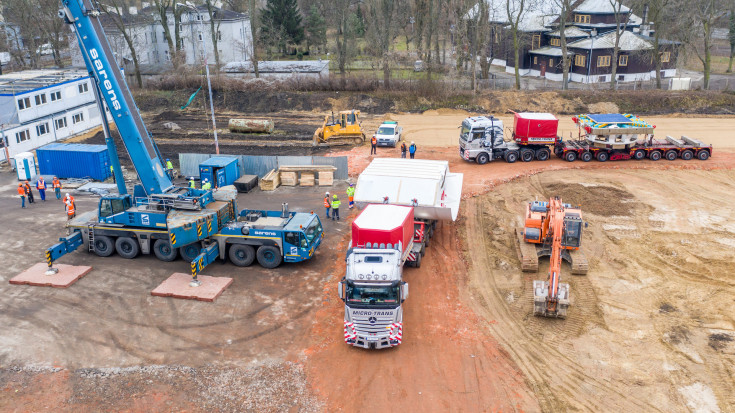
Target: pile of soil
(605, 201)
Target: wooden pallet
(270, 181)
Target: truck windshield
(313, 230)
(464, 133)
(385, 131)
(373, 295)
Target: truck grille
(378, 328)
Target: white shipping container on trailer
(436, 190)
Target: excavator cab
(572, 233)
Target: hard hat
(67, 194)
(411, 142)
(352, 184)
(335, 196)
(206, 180)
(20, 184)
(327, 193)
(168, 159)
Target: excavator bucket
(545, 307)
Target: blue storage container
(220, 170)
(74, 160)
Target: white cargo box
(437, 191)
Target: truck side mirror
(404, 291)
(340, 290)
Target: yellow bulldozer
(343, 130)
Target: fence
(261, 165)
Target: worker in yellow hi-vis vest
(351, 195)
(335, 207)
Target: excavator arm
(551, 297)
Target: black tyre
(482, 158)
(269, 257)
(164, 251)
(687, 155)
(423, 249)
(703, 155)
(570, 156)
(639, 154)
(427, 242)
(671, 155)
(586, 156)
(511, 156)
(127, 247)
(242, 255)
(417, 263)
(654, 155)
(543, 154)
(527, 155)
(603, 156)
(189, 252)
(103, 246)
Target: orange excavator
(556, 229)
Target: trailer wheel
(703, 155)
(687, 155)
(586, 156)
(103, 246)
(423, 249)
(671, 155)
(269, 257)
(417, 263)
(190, 252)
(602, 156)
(543, 154)
(639, 154)
(511, 156)
(164, 251)
(570, 156)
(526, 155)
(427, 241)
(241, 255)
(482, 158)
(127, 247)
(654, 155)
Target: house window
(199, 16)
(24, 103)
(580, 60)
(55, 96)
(41, 99)
(200, 35)
(555, 42)
(60, 123)
(497, 36)
(168, 57)
(22, 136)
(42, 129)
(163, 36)
(665, 57)
(535, 60)
(551, 62)
(623, 61)
(581, 18)
(219, 35)
(536, 41)
(603, 61)
(79, 117)
(83, 87)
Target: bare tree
(115, 10)
(24, 15)
(731, 36)
(253, 10)
(565, 8)
(621, 24)
(516, 10)
(173, 41)
(214, 24)
(695, 29)
(383, 36)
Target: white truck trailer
(373, 289)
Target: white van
(388, 134)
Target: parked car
(45, 49)
(388, 134)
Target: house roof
(628, 42)
(570, 31)
(550, 51)
(599, 7)
(278, 66)
(532, 19)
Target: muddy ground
(650, 327)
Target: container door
(26, 170)
(220, 177)
(205, 172)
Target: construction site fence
(261, 165)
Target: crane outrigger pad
(36, 275)
(177, 286)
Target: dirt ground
(637, 338)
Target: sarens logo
(106, 84)
(270, 234)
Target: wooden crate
(270, 181)
(307, 179)
(288, 179)
(326, 178)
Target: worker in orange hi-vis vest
(327, 203)
(374, 146)
(57, 187)
(67, 198)
(29, 192)
(41, 186)
(70, 209)
(22, 195)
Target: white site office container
(437, 191)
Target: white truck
(388, 134)
(373, 289)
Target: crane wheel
(242, 255)
(164, 251)
(269, 257)
(103, 246)
(190, 252)
(127, 247)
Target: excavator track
(579, 262)
(526, 253)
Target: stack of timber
(270, 181)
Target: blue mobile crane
(160, 217)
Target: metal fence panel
(189, 163)
(338, 161)
(258, 165)
(294, 160)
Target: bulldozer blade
(579, 262)
(526, 253)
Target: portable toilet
(220, 170)
(25, 166)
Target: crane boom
(99, 57)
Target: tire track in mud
(560, 383)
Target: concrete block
(177, 286)
(67, 275)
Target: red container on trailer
(535, 128)
(383, 224)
